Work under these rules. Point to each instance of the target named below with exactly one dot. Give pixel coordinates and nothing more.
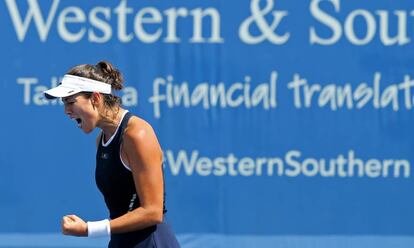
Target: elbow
(157, 221)
(157, 216)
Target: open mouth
(79, 121)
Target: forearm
(137, 219)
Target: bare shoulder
(139, 130)
(141, 145)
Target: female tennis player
(128, 161)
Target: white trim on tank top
(112, 137)
(105, 144)
(122, 161)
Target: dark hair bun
(112, 75)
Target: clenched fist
(73, 225)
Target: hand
(73, 225)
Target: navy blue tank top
(113, 179)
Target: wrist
(99, 228)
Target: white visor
(71, 85)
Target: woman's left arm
(143, 154)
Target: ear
(96, 98)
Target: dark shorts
(159, 236)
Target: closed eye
(68, 103)
(68, 100)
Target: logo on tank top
(104, 155)
(132, 202)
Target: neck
(110, 121)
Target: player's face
(79, 108)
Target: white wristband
(99, 228)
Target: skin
(140, 150)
